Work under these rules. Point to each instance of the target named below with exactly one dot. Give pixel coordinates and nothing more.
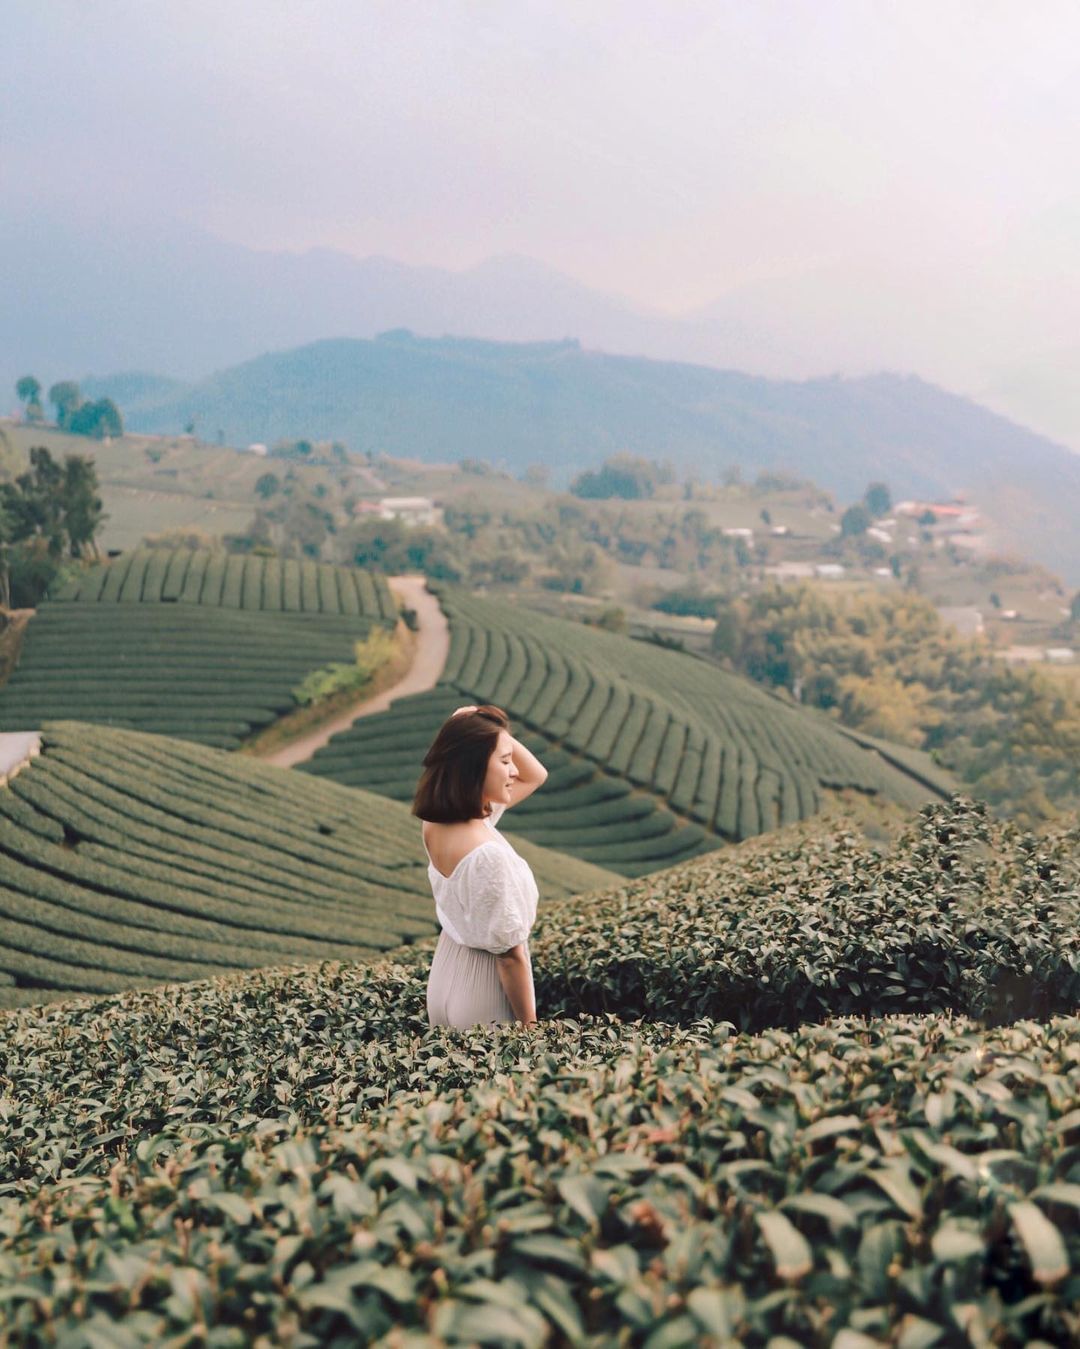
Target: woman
(485, 893)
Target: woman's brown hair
(451, 787)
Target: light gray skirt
(464, 987)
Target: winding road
(429, 658)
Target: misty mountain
(78, 298)
(569, 407)
(146, 294)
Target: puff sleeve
(496, 902)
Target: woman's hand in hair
(458, 711)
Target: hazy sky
(671, 152)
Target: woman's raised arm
(531, 772)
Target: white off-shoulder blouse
(489, 899)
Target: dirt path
(432, 648)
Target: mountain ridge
(81, 295)
(570, 407)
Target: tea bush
(297, 1157)
(964, 913)
(294, 1157)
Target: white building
(791, 571)
(829, 571)
(411, 510)
(257, 447)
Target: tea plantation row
(127, 860)
(656, 755)
(296, 1155)
(217, 665)
(721, 749)
(581, 810)
(232, 581)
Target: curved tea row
(658, 755)
(128, 860)
(199, 645)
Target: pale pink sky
(910, 154)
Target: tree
(98, 419)
(1074, 607)
(877, 499)
(33, 502)
(855, 520)
(306, 524)
(65, 397)
(83, 509)
(28, 390)
(725, 636)
(267, 485)
(50, 508)
(392, 547)
(624, 475)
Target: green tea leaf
(790, 1250)
(898, 1185)
(1042, 1242)
(585, 1195)
(951, 1242)
(835, 1212)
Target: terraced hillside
(128, 860)
(295, 1156)
(655, 755)
(200, 645)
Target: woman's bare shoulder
(447, 844)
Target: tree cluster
(391, 546)
(857, 519)
(80, 416)
(50, 512)
(624, 475)
(887, 665)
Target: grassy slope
(192, 488)
(128, 860)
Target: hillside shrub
(371, 652)
(295, 1156)
(964, 913)
(298, 1157)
